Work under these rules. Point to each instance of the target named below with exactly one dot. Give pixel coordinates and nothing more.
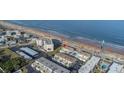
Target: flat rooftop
(66, 57)
(24, 55)
(53, 66)
(90, 64)
(48, 41)
(29, 51)
(115, 68)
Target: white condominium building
(90, 64)
(48, 45)
(116, 68)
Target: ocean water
(111, 31)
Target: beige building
(65, 59)
(83, 56)
(67, 49)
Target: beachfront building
(45, 43)
(89, 66)
(14, 36)
(7, 40)
(46, 66)
(116, 68)
(83, 56)
(48, 45)
(26, 35)
(65, 59)
(67, 49)
(13, 33)
(39, 42)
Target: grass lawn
(12, 63)
(9, 52)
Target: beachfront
(93, 47)
(80, 50)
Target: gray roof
(31, 70)
(66, 57)
(29, 51)
(115, 68)
(53, 66)
(24, 55)
(89, 65)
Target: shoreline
(91, 45)
(72, 34)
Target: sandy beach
(89, 45)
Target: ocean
(111, 31)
